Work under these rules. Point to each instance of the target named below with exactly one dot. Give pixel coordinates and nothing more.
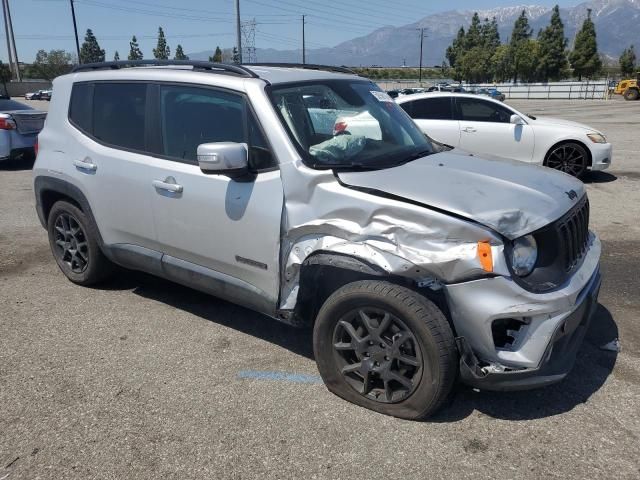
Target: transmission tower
(248, 29)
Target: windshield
(348, 124)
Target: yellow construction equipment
(630, 89)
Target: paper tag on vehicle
(381, 96)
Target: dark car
(491, 92)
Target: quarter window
(119, 114)
(80, 108)
(430, 109)
(472, 110)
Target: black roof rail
(309, 66)
(196, 64)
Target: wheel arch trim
(48, 190)
(569, 140)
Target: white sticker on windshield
(381, 96)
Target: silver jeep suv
(308, 195)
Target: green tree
(528, 59)
(116, 56)
(584, 58)
(553, 45)
(475, 65)
(236, 56)
(90, 52)
(134, 50)
(519, 43)
(490, 34)
(474, 35)
(628, 62)
(49, 65)
(162, 51)
(456, 49)
(217, 56)
(501, 66)
(180, 54)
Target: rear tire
(632, 94)
(386, 348)
(73, 239)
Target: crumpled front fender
(402, 239)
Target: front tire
(74, 243)
(569, 157)
(386, 348)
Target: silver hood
(510, 197)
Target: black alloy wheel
(378, 355)
(73, 238)
(385, 347)
(71, 245)
(569, 158)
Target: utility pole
(304, 53)
(75, 29)
(421, 42)
(13, 40)
(238, 32)
(6, 30)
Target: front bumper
(544, 349)
(601, 155)
(558, 358)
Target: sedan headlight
(524, 255)
(597, 137)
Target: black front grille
(573, 232)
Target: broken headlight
(524, 255)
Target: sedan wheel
(570, 158)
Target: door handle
(469, 130)
(168, 184)
(85, 165)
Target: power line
(302, 9)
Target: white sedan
(486, 126)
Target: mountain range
(617, 26)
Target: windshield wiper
(416, 156)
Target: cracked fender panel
(399, 237)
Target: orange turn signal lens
(484, 254)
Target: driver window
(473, 110)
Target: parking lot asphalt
(141, 378)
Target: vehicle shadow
(296, 340)
(592, 368)
(598, 177)
(17, 164)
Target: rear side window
(431, 109)
(80, 108)
(472, 110)
(119, 114)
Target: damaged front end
(432, 228)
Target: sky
(200, 25)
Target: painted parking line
(280, 376)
